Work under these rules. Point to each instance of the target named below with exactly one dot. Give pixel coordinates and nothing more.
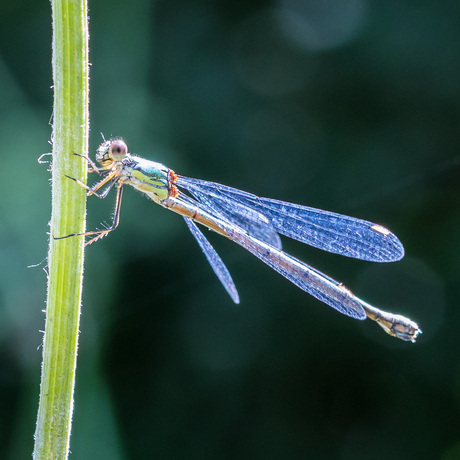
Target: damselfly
(255, 223)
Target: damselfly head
(111, 151)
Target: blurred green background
(348, 106)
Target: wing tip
(235, 297)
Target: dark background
(348, 106)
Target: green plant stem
(65, 257)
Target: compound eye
(118, 150)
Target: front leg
(113, 176)
(94, 168)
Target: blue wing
(214, 260)
(302, 275)
(241, 214)
(332, 232)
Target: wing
(242, 215)
(332, 232)
(302, 275)
(214, 260)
